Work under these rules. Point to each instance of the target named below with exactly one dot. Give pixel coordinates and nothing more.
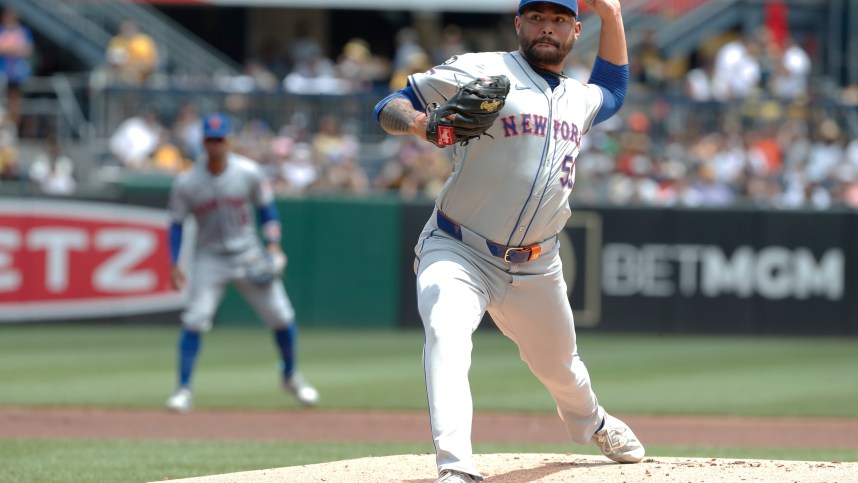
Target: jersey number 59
(567, 178)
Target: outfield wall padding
(724, 271)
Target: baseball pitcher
(514, 122)
(221, 194)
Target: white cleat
(618, 442)
(302, 390)
(181, 401)
(453, 476)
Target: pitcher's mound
(554, 468)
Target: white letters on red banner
(73, 260)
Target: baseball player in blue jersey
(221, 193)
(491, 243)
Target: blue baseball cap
(216, 126)
(570, 4)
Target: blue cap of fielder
(570, 4)
(216, 126)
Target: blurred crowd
(741, 122)
(297, 158)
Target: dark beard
(541, 57)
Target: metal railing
(187, 53)
(52, 106)
(87, 26)
(355, 111)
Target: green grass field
(134, 367)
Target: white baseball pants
(456, 284)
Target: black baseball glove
(475, 106)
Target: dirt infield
(407, 427)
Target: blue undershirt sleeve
(405, 93)
(175, 236)
(269, 220)
(268, 213)
(613, 80)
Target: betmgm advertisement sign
(711, 272)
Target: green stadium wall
(725, 271)
(344, 258)
(343, 266)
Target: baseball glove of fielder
(265, 267)
(474, 108)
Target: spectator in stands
(296, 170)
(418, 61)
(10, 168)
(168, 157)
(794, 142)
(763, 155)
(312, 72)
(263, 79)
(648, 64)
(8, 129)
(708, 190)
(407, 44)
(337, 156)
(136, 138)
(409, 58)
(132, 56)
(187, 131)
(271, 56)
(849, 195)
(16, 47)
(452, 43)
(793, 72)
(52, 171)
(315, 75)
(254, 77)
(360, 67)
(847, 192)
(768, 53)
(416, 170)
(331, 145)
(737, 69)
(343, 178)
(304, 47)
(700, 85)
(852, 153)
(253, 140)
(427, 174)
(826, 152)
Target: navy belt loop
(449, 226)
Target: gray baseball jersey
(514, 189)
(510, 189)
(224, 208)
(223, 205)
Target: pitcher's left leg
(536, 315)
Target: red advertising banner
(69, 260)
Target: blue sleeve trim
(405, 93)
(268, 213)
(175, 242)
(613, 80)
